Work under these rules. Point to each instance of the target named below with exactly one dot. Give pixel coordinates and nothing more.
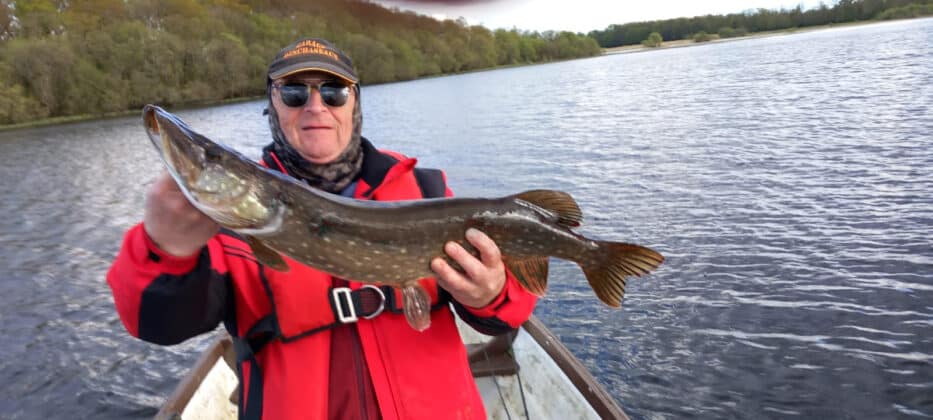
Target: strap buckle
(382, 301)
(349, 305)
(344, 317)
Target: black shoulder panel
(175, 308)
(431, 182)
(375, 165)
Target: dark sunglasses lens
(335, 94)
(294, 95)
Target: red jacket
(166, 299)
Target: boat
(528, 373)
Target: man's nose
(315, 102)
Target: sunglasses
(297, 94)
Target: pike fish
(384, 242)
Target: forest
(62, 58)
(762, 20)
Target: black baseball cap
(312, 54)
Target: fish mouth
(151, 122)
(198, 167)
(183, 156)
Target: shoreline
(46, 122)
(680, 43)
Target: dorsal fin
(559, 202)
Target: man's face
(319, 132)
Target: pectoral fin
(530, 272)
(416, 304)
(267, 256)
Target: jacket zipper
(358, 369)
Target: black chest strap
(348, 307)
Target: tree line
(91, 57)
(760, 20)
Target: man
(178, 274)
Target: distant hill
(90, 57)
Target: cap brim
(303, 67)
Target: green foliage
(15, 105)
(37, 17)
(508, 47)
(654, 40)
(373, 59)
(738, 24)
(702, 36)
(38, 65)
(90, 57)
(906, 12)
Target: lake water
(788, 181)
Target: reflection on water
(786, 179)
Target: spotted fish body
(384, 242)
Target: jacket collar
(377, 167)
(380, 168)
(375, 164)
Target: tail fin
(607, 269)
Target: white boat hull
(549, 384)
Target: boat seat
(494, 357)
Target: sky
(580, 15)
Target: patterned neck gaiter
(332, 177)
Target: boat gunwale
(581, 378)
(176, 403)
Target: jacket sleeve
(505, 313)
(166, 299)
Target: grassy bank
(127, 113)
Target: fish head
(217, 180)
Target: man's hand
(482, 278)
(176, 226)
